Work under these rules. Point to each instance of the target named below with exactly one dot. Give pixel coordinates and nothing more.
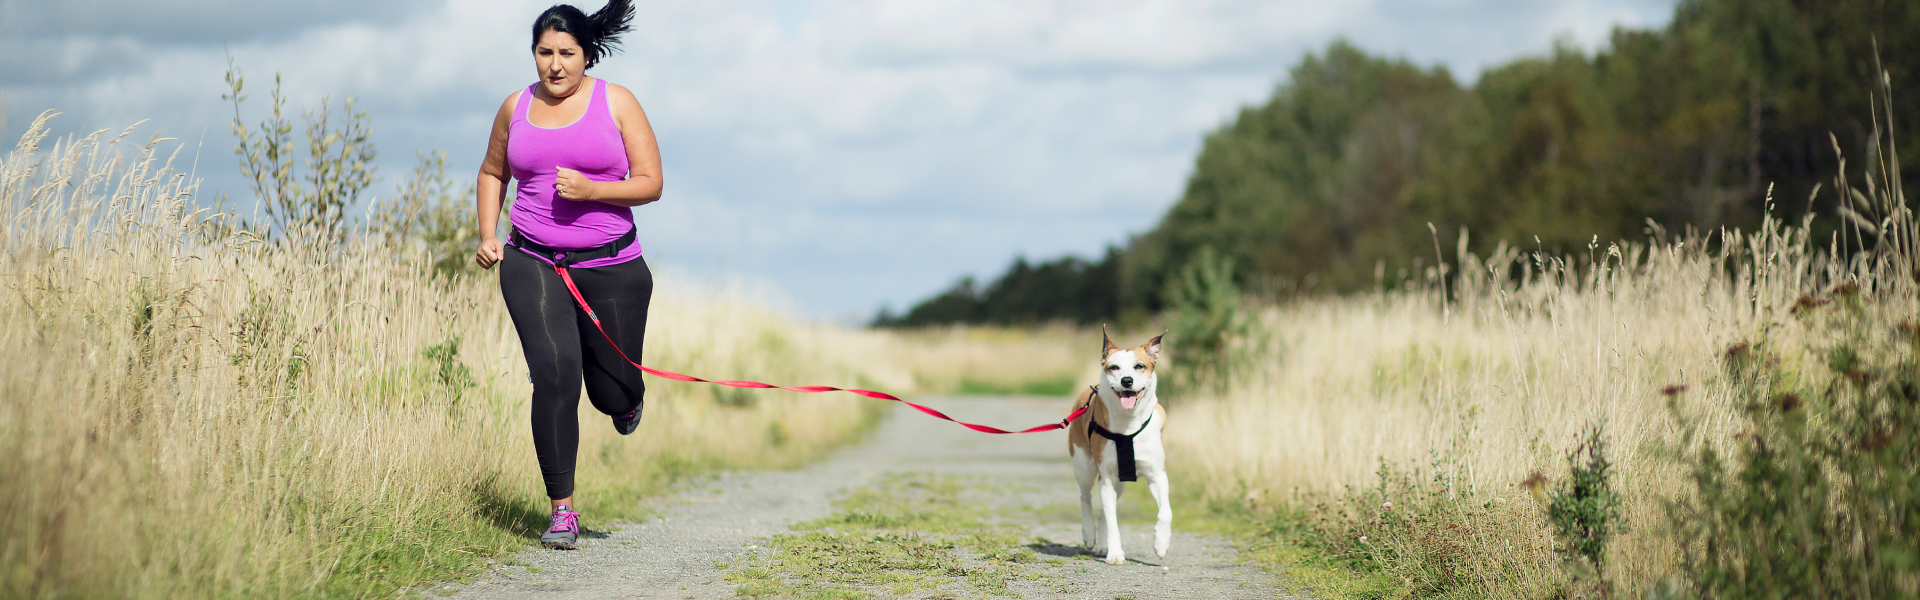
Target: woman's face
(561, 61)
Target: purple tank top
(591, 145)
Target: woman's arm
(491, 189)
(642, 184)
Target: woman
(584, 155)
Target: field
(197, 409)
(1386, 443)
(193, 410)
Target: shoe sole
(560, 545)
(631, 426)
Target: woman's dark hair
(599, 34)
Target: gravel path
(716, 519)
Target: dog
(1122, 421)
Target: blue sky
(851, 154)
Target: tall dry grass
(1382, 440)
(1445, 406)
(192, 411)
(1049, 360)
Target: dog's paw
(1160, 551)
(1116, 559)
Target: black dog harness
(1125, 444)
(566, 258)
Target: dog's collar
(1124, 443)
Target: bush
(1817, 498)
(430, 217)
(339, 164)
(1585, 510)
(1205, 316)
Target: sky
(849, 154)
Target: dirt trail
(715, 520)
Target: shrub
(430, 217)
(1204, 316)
(1585, 510)
(339, 164)
(1817, 497)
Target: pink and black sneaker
(564, 534)
(625, 424)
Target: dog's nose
(1126, 382)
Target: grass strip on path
(905, 533)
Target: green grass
(1275, 541)
(905, 534)
(378, 562)
(1267, 538)
(1062, 385)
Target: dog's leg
(1110, 489)
(1087, 473)
(1162, 526)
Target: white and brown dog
(1118, 440)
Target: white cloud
(852, 152)
(192, 22)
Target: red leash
(811, 389)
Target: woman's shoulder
(503, 118)
(513, 99)
(622, 102)
(620, 93)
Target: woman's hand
(572, 185)
(490, 253)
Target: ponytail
(609, 22)
(599, 35)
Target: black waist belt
(565, 258)
(1125, 444)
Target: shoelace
(565, 521)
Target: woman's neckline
(590, 84)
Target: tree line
(1358, 166)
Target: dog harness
(1125, 444)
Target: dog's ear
(1153, 346)
(1106, 344)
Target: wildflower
(1536, 484)
(1363, 539)
(1387, 506)
(1806, 303)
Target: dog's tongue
(1128, 398)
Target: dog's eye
(1113, 367)
(1139, 367)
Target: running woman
(583, 156)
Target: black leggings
(563, 348)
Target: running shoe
(626, 423)
(564, 534)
